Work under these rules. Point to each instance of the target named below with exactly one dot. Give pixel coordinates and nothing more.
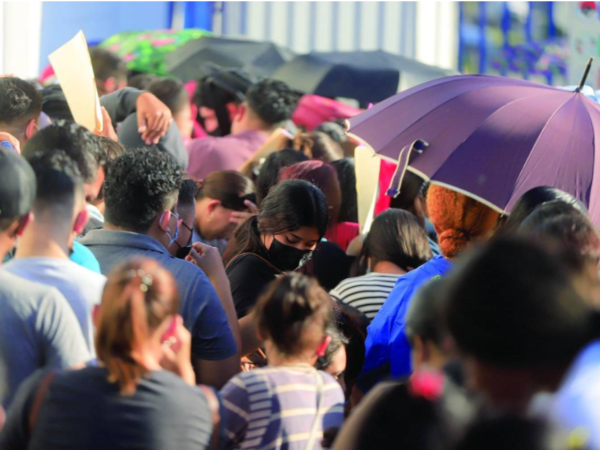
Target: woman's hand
(239, 217)
(177, 353)
(154, 118)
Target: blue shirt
(200, 307)
(386, 344)
(577, 402)
(84, 257)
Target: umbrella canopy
(366, 76)
(492, 138)
(258, 58)
(144, 51)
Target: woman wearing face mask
(292, 221)
(224, 200)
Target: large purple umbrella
(492, 138)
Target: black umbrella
(366, 76)
(258, 58)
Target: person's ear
(110, 85)
(240, 113)
(95, 315)
(30, 129)
(164, 220)
(419, 351)
(81, 221)
(232, 109)
(212, 205)
(23, 223)
(322, 348)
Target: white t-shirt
(80, 286)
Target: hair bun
(453, 241)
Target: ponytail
(138, 297)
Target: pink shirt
(213, 154)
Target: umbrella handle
(586, 72)
(403, 160)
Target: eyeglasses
(180, 222)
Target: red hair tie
(427, 384)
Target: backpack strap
(214, 405)
(38, 400)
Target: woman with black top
(128, 400)
(292, 221)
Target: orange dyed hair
(457, 219)
(139, 295)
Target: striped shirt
(367, 293)
(274, 408)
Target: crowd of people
(193, 276)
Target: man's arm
(215, 373)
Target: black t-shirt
(82, 410)
(249, 275)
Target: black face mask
(286, 258)
(183, 252)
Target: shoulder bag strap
(214, 405)
(258, 256)
(38, 400)
(317, 420)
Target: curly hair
(141, 184)
(19, 101)
(272, 101)
(457, 219)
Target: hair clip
(145, 278)
(427, 384)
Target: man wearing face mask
(141, 192)
(186, 209)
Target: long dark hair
(347, 176)
(395, 236)
(290, 205)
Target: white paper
(73, 68)
(367, 166)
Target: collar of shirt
(123, 239)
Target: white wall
(425, 30)
(20, 25)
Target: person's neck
(279, 359)
(41, 240)
(153, 232)
(388, 267)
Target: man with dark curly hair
(141, 192)
(20, 107)
(269, 103)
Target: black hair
(509, 432)
(334, 130)
(58, 182)
(81, 145)
(347, 177)
(141, 184)
(512, 303)
(424, 317)
(290, 205)
(533, 198)
(231, 188)
(286, 309)
(412, 186)
(268, 175)
(396, 236)
(546, 212)
(171, 92)
(220, 87)
(113, 150)
(272, 101)
(106, 64)
(187, 192)
(54, 103)
(141, 81)
(20, 102)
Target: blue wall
(98, 20)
